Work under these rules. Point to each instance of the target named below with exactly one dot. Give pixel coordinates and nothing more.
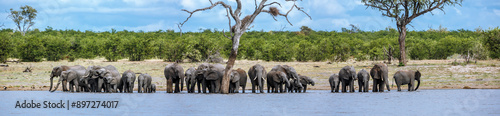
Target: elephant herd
(379, 73)
(280, 79)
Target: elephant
(153, 88)
(334, 82)
(190, 76)
(363, 80)
(257, 74)
(210, 77)
(275, 81)
(56, 72)
(128, 80)
(304, 80)
(113, 79)
(290, 74)
(72, 77)
(213, 79)
(243, 79)
(94, 79)
(347, 75)
(379, 74)
(403, 77)
(144, 83)
(234, 81)
(175, 73)
(295, 86)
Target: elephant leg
(77, 85)
(176, 81)
(411, 86)
(99, 85)
(374, 89)
(64, 85)
(360, 85)
(381, 86)
(269, 87)
(204, 86)
(337, 85)
(305, 88)
(352, 86)
(253, 88)
(237, 86)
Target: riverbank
(436, 74)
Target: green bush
(32, 49)
(492, 42)
(56, 48)
(6, 46)
(112, 48)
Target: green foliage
(492, 42)
(23, 18)
(254, 45)
(6, 46)
(32, 49)
(55, 48)
(112, 48)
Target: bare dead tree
(238, 29)
(388, 53)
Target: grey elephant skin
(234, 81)
(275, 81)
(347, 75)
(113, 79)
(379, 74)
(291, 74)
(73, 78)
(305, 80)
(257, 73)
(153, 88)
(242, 82)
(210, 77)
(404, 77)
(175, 73)
(144, 83)
(190, 76)
(94, 79)
(56, 72)
(128, 80)
(363, 80)
(334, 82)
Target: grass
(436, 74)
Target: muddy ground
(436, 74)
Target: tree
(23, 18)
(404, 11)
(241, 26)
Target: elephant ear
(211, 75)
(276, 76)
(417, 75)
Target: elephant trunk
(58, 82)
(259, 79)
(51, 79)
(387, 84)
(418, 84)
(287, 84)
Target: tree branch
(288, 12)
(179, 25)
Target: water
(314, 102)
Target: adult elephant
(144, 83)
(71, 76)
(190, 76)
(291, 74)
(257, 74)
(334, 82)
(347, 75)
(210, 77)
(56, 72)
(175, 73)
(379, 74)
(363, 80)
(94, 79)
(242, 75)
(234, 81)
(305, 80)
(128, 80)
(275, 81)
(403, 77)
(113, 79)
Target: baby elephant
(304, 80)
(153, 88)
(334, 82)
(363, 80)
(144, 83)
(404, 77)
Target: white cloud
(497, 12)
(457, 10)
(194, 4)
(340, 22)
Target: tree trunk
(402, 51)
(230, 63)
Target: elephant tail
(418, 84)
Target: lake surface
(314, 102)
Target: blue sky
(153, 15)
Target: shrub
(32, 49)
